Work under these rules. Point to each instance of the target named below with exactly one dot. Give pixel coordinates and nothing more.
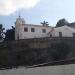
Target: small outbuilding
(63, 31)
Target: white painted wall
(66, 31)
(37, 34)
(49, 70)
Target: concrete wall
(49, 70)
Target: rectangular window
(32, 30)
(50, 35)
(44, 30)
(60, 34)
(73, 34)
(25, 29)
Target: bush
(60, 51)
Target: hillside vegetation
(20, 53)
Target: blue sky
(38, 11)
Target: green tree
(10, 34)
(60, 51)
(62, 22)
(1, 32)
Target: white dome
(23, 21)
(20, 20)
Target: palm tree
(44, 23)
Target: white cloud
(9, 6)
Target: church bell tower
(19, 22)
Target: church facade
(27, 31)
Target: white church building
(27, 31)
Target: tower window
(32, 30)
(25, 29)
(44, 30)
